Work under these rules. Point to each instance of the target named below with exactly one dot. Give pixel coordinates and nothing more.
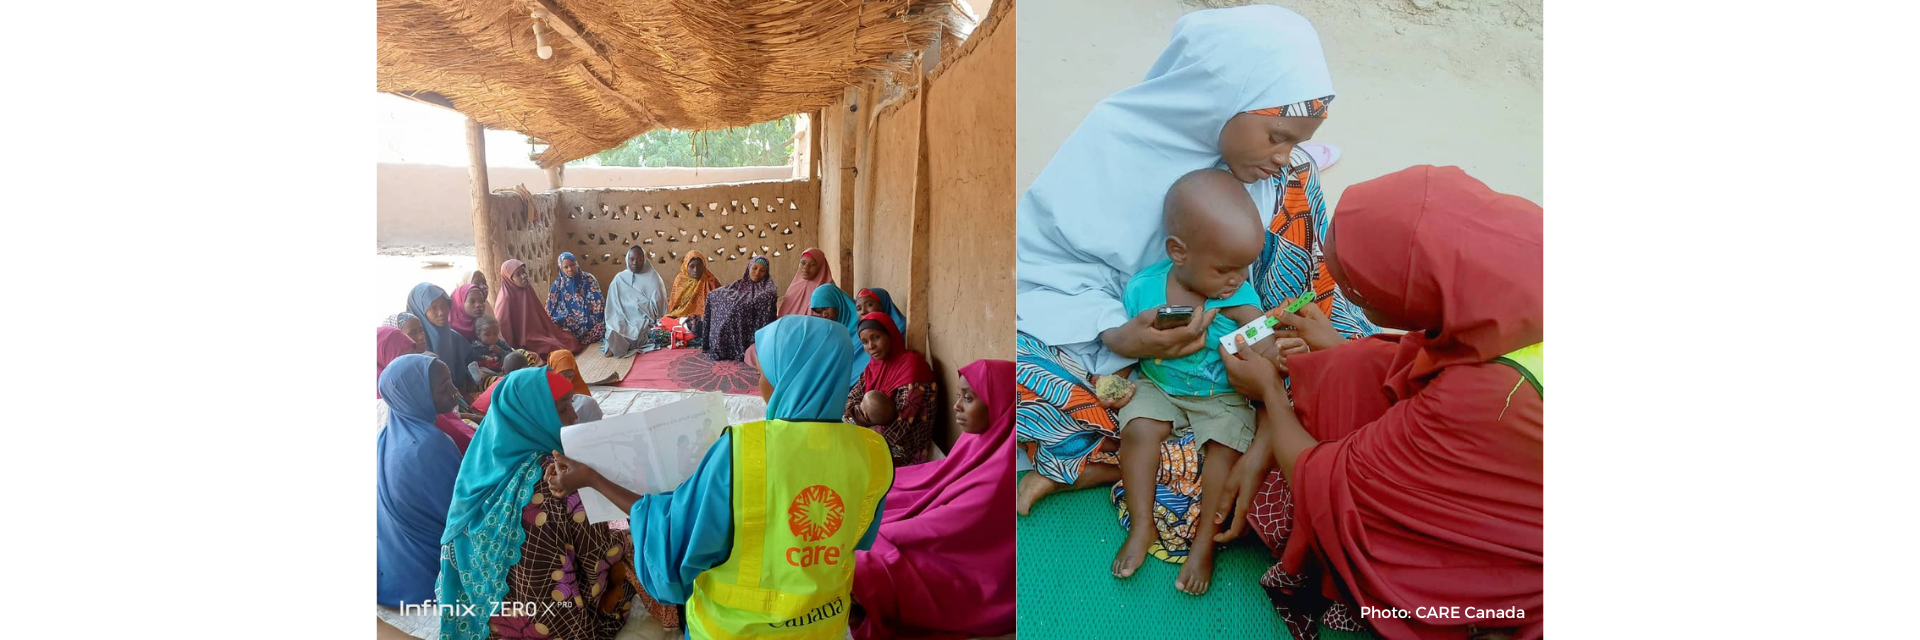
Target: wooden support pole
(814, 161)
(482, 218)
(920, 256)
(852, 151)
(556, 176)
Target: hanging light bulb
(540, 36)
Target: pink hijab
(458, 318)
(799, 297)
(389, 343)
(524, 322)
(942, 565)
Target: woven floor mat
(599, 369)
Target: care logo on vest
(816, 514)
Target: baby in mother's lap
(1213, 235)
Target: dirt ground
(1445, 82)
(398, 269)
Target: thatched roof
(621, 68)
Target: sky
(423, 134)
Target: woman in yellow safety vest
(760, 540)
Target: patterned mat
(1066, 558)
(689, 369)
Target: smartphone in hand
(1170, 317)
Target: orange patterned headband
(1316, 108)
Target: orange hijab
(561, 362)
(690, 293)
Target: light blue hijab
(483, 534)
(1093, 216)
(416, 465)
(805, 359)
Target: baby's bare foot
(1197, 574)
(1133, 551)
(1032, 488)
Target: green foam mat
(1067, 589)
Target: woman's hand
(568, 475)
(1283, 348)
(1138, 339)
(1310, 325)
(1255, 377)
(1237, 497)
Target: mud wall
(726, 223)
(919, 190)
(428, 204)
(521, 235)
(970, 146)
(883, 232)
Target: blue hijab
(498, 477)
(414, 476)
(442, 341)
(805, 359)
(830, 295)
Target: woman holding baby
(1236, 89)
(1403, 457)
(896, 391)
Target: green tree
(767, 144)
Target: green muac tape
(1260, 329)
(1300, 303)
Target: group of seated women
(890, 388)
(637, 312)
(499, 520)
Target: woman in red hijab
(389, 343)
(942, 564)
(524, 322)
(902, 375)
(1409, 471)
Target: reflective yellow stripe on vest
(1530, 363)
(792, 579)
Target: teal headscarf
(520, 426)
(829, 295)
(497, 479)
(806, 360)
